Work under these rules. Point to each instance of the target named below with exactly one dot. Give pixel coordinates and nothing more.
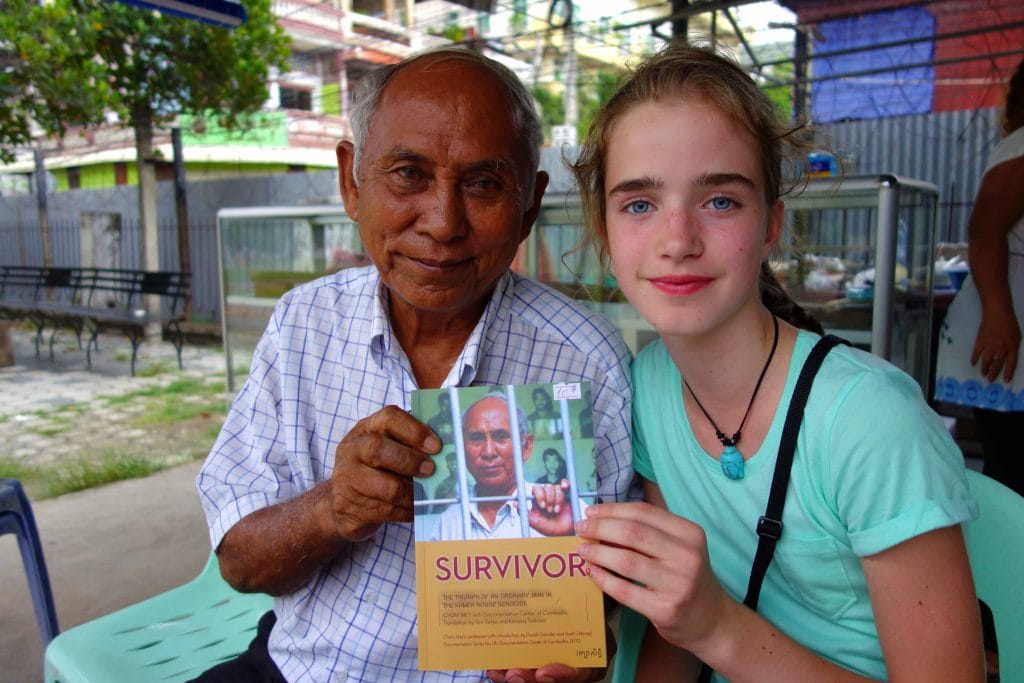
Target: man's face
(488, 441)
(442, 200)
(541, 401)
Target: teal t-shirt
(874, 466)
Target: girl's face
(687, 222)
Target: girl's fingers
(662, 563)
(646, 528)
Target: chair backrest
(995, 544)
(16, 518)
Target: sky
(757, 15)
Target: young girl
(681, 177)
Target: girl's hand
(657, 564)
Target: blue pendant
(732, 462)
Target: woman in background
(980, 340)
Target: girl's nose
(680, 235)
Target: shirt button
(371, 598)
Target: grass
(179, 420)
(168, 411)
(76, 474)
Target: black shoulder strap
(769, 526)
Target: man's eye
(501, 437)
(483, 185)
(477, 438)
(408, 173)
(638, 207)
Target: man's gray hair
(524, 111)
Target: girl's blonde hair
(681, 71)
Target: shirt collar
(383, 341)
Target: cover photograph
(499, 581)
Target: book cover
(497, 589)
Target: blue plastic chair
(173, 636)
(16, 518)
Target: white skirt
(956, 380)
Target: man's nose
(443, 214)
(490, 447)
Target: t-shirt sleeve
(895, 471)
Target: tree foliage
(74, 62)
(594, 89)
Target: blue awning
(227, 13)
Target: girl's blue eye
(638, 207)
(721, 203)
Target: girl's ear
(773, 231)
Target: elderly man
(308, 490)
(490, 458)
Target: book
(496, 589)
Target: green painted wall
(270, 129)
(329, 100)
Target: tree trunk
(149, 244)
(44, 216)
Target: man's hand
(373, 470)
(551, 513)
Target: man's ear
(527, 447)
(531, 214)
(346, 178)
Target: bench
(94, 300)
(42, 297)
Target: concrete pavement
(106, 547)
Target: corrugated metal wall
(948, 150)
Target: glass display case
(858, 254)
(265, 251)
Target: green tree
(84, 59)
(597, 89)
(781, 95)
(47, 72)
(594, 90)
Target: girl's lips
(680, 285)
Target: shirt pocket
(815, 571)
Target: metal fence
(22, 244)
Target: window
(296, 98)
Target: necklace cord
(727, 441)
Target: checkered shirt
(330, 358)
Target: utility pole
(680, 23)
(572, 109)
(800, 59)
(181, 210)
